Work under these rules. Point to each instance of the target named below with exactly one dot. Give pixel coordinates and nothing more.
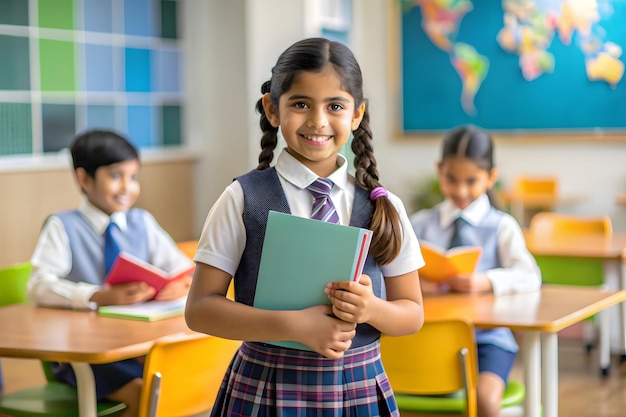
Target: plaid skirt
(269, 381)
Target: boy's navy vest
(263, 192)
(87, 245)
(485, 235)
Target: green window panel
(57, 14)
(57, 65)
(169, 28)
(16, 76)
(171, 125)
(16, 136)
(14, 12)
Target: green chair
(13, 281)
(52, 399)
(562, 270)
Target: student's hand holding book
(317, 328)
(351, 300)
(476, 282)
(121, 294)
(175, 289)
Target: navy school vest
(263, 192)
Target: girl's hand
(175, 289)
(429, 287)
(352, 301)
(133, 292)
(470, 283)
(323, 333)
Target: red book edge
(359, 263)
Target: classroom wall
(230, 48)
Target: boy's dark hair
(473, 143)
(95, 148)
(314, 55)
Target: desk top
(60, 335)
(588, 246)
(552, 309)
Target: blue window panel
(98, 15)
(101, 117)
(99, 67)
(138, 70)
(167, 71)
(59, 126)
(140, 18)
(140, 126)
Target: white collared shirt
(223, 236)
(519, 271)
(52, 258)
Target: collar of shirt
(473, 214)
(300, 176)
(99, 219)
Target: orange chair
(183, 373)
(572, 270)
(532, 194)
(188, 247)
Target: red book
(128, 268)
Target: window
(70, 65)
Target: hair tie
(378, 192)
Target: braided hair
(315, 54)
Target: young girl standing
(468, 217)
(315, 97)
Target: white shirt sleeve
(223, 237)
(52, 263)
(519, 271)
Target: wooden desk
(539, 315)
(611, 249)
(80, 338)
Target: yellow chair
(571, 270)
(183, 373)
(435, 371)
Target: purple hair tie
(378, 192)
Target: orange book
(128, 268)
(442, 264)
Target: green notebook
(148, 311)
(300, 256)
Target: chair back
(13, 283)
(440, 359)
(556, 224)
(526, 185)
(183, 373)
(188, 247)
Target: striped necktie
(111, 247)
(323, 207)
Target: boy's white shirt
(223, 236)
(519, 271)
(52, 258)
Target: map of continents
(529, 28)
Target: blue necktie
(323, 208)
(111, 247)
(458, 234)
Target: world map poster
(514, 65)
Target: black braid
(269, 138)
(364, 161)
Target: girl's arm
(209, 311)
(401, 314)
